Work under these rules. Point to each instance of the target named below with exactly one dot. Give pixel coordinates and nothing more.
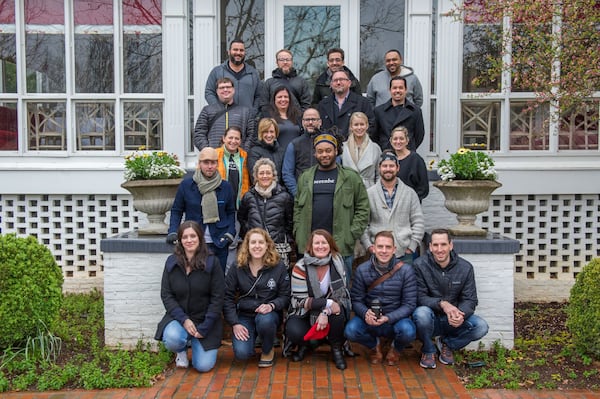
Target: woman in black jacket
(267, 146)
(256, 293)
(269, 206)
(192, 290)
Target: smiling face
(384, 249)
(358, 127)
(393, 61)
(398, 91)
(190, 240)
(320, 246)
(265, 176)
(399, 140)
(225, 92)
(311, 120)
(237, 53)
(269, 135)
(325, 154)
(232, 140)
(441, 246)
(285, 61)
(257, 246)
(335, 62)
(282, 100)
(388, 170)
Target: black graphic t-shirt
(323, 191)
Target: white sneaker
(182, 360)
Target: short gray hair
(261, 162)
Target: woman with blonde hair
(360, 153)
(267, 146)
(256, 293)
(413, 171)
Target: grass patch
(73, 355)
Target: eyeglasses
(311, 120)
(335, 60)
(338, 80)
(224, 87)
(284, 59)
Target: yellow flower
(462, 150)
(431, 163)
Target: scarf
(266, 192)
(338, 291)
(356, 150)
(207, 187)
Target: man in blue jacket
(207, 199)
(447, 298)
(384, 295)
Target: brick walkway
(316, 377)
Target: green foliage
(467, 165)
(30, 289)
(87, 363)
(583, 310)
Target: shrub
(30, 289)
(583, 311)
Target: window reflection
(9, 131)
(481, 50)
(381, 29)
(142, 46)
(143, 125)
(8, 49)
(46, 126)
(95, 126)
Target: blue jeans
(403, 332)
(262, 325)
(176, 339)
(348, 260)
(430, 325)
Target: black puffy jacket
(275, 214)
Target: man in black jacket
(335, 62)
(447, 298)
(398, 111)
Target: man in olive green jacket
(333, 198)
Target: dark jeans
(221, 254)
(262, 325)
(430, 325)
(296, 327)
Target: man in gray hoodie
(378, 89)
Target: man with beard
(378, 91)
(337, 108)
(245, 77)
(214, 119)
(300, 153)
(335, 62)
(285, 75)
(446, 300)
(398, 111)
(208, 200)
(394, 207)
(331, 197)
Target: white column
(175, 76)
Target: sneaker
(427, 360)
(182, 360)
(446, 355)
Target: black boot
(338, 357)
(348, 350)
(299, 356)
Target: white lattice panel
(71, 226)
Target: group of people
(299, 194)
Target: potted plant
(468, 180)
(152, 179)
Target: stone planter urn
(154, 198)
(467, 198)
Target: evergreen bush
(30, 289)
(583, 311)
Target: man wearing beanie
(207, 199)
(331, 197)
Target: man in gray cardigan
(394, 207)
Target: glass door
(309, 28)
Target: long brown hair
(293, 112)
(198, 261)
(271, 256)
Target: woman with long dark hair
(192, 291)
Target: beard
(234, 61)
(388, 176)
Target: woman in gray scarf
(319, 297)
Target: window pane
(481, 125)
(245, 19)
(481, 50)
(579, 129)
(142, 46)
(9, 131)
(528, 127)
(45, 46)
(143, 125)
(46, 126)
(531, 64)
(8, 49)
(95, 126)
(381, 29)
(94, 46)
(309, 32)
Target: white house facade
(83, 83)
